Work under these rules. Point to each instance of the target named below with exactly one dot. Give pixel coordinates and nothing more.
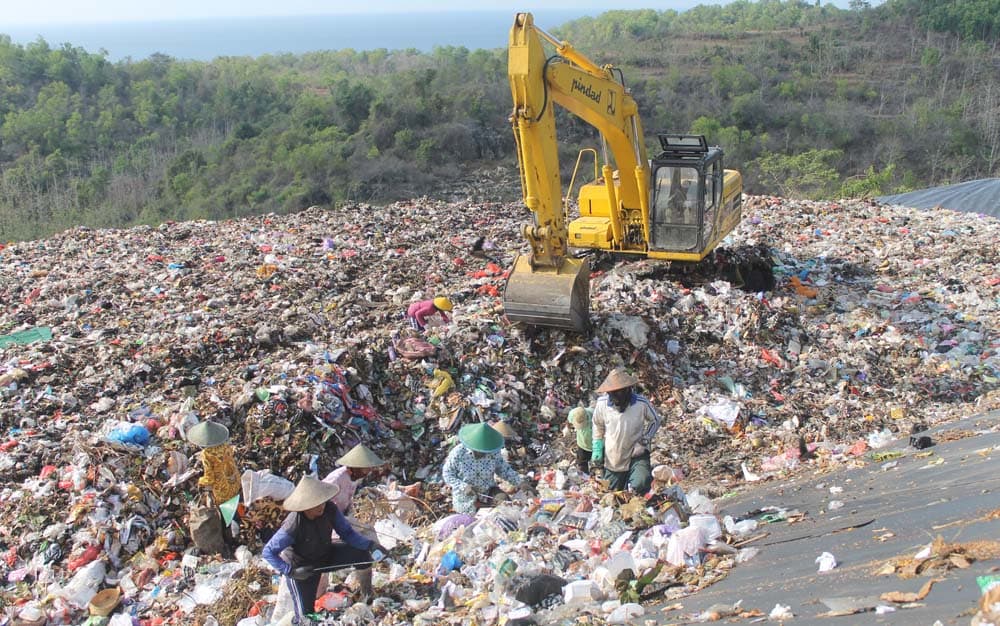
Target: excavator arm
(549, 287)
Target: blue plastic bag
(136, 434)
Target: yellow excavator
(676, 207)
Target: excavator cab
(695, 202)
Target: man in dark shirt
(304, 544)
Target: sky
(81, 11)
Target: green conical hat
(360, 456)
(208, 434)
(480, 437)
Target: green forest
(807, 100)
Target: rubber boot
(364, 578)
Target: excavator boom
(547, 287)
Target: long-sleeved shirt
(620, 431)
(584, 431)
(462, 468)
(221, 474)
(342, 478)
(300, 540)
(420, 311)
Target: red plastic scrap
(8, 445)
(88, 555)
(771, 357)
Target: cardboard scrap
(908, 596)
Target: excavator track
(749, 268)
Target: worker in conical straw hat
(304, 544)
(505, 430)
(624, 424)
(220, 475)
(473, 465)
(358, 464)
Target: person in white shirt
(624, 424)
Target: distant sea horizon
(206, 39)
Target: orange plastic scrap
(803, 290)
(859, 448)
(267, 270)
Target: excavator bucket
(549, 297)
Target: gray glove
(468, 489)
(639, 449)
(302, 572)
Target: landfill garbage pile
(289, 331)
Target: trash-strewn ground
(883, 322)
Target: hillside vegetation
(807, 100)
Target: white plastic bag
(826, 562)
(633, 328)
(264, 484)
(83, 586)
(626, 613)
(708, 522)
(724, 412)
(685, 543)
(700, 504)
(392, 531)
(284, 606)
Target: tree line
(806, 99)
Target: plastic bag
(633, 328)
(133, 434)
(700, 504)
(263, 484)
(82, 588)
(685, 544)
(392, 530)
(413, 348)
